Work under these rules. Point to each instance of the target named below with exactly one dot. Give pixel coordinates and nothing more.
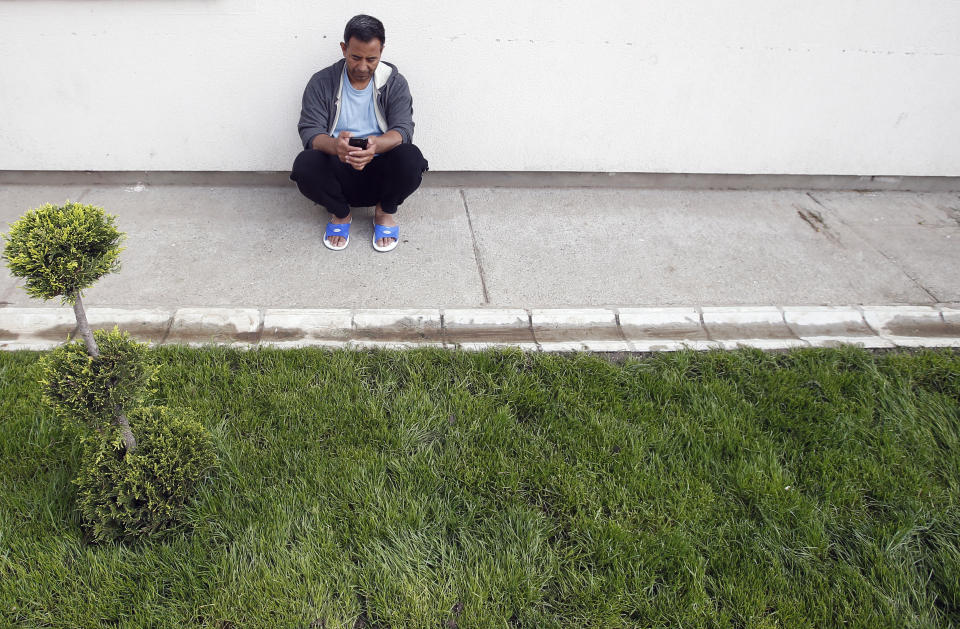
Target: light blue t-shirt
(357, 114)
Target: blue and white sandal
(381, 231)
(337, 230)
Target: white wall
(748, 86)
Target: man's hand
(343, 146)
(359, 158)
(356, 157)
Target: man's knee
(309, 163)
(409, 153)
(407, 160)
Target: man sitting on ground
(358, 98)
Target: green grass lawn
(431, 488)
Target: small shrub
(62, 250)
(124, 496)
(92, 390)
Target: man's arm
(358, 158)
(388, 141)
(325, 143)
(399, 109)
(332, 146)
(313, 114)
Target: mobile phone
(358, 142)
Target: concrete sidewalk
(612, 250)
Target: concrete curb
(551, 330)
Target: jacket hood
(383, 73)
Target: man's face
(362, 58)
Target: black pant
(388, 179)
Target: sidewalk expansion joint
(533, 332)
(623, 336)
(630, 329)
(476, 248)
(263, 318)
(166, 332)
(817, 201)
(883, 253)
(867, 323)
(703, 324)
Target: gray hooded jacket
(321, 102)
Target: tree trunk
(83, 327)
(129, 442)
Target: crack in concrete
(807, 217)
(476, 249)
(166, 333)
(533, 333)
(623, 335)
(889, 258)
(815, 220)
(703, 325)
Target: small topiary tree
(124, 496)
(126, 490)
(60, 251)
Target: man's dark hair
(365, 28)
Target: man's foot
(382, 218)
(337, 242)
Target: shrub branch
(84, 327)
(129, 441)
